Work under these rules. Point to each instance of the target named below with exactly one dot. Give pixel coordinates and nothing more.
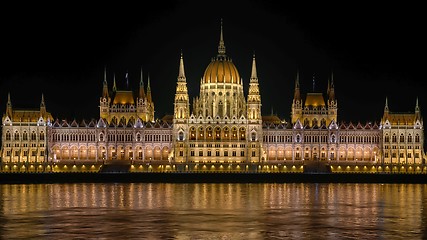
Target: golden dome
(221, 70)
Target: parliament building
(221, 126)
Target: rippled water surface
(213, 211)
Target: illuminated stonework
(223, 127)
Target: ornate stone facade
(222, 126)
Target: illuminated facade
(222, 126)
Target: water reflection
(213, 211)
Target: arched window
(101, 137)
(333, 138)
(242, 134)
(387, 138)
(298, 138)
(192, 133)
(417, 138)
(409, 138)
(323, 122)
(138, 137)
(394, 138)
(41, 135)
(306, 122)
(253, 136)
(314, 122)
(234, 133)
(114, 120)
(33, 136)
(8, 136)
(226, 132)
(180, 136)
(217, 133)
(16, 136)
(402, 138)
(24, 136)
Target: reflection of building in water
(229, 211)
(223, 125)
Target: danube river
(213, 211)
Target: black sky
(61, 51)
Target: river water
(213, 211)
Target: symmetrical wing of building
(222, 126)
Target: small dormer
(7, 121)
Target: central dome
(221, 70)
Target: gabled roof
(124, 97)
(314, 100)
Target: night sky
(373, 51)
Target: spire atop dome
(221, 46)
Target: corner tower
(181, 115)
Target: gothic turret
(296, 102)
(9, 106)
(254, 98)
(104, 101)
(42, 107)
(181, 111)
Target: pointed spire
(105, 84)
(331, 88)
(221, 46)
(42, 102)
(9, 103)
(181, 75)
(386, 105)
(9, 106)
(114, 83)
(42, 107)
(254, 76)
(141, 87)
(149, 90)
(297, 95)
(417, 108)
(105, 74)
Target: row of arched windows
(401, 138)
(25, 136)
(217, 133)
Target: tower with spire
(332, 101)
(314, 112)
(145, 105)
(254, 117)
(25, 131)
(181, 115)
(105, 100)
(121, 107)
(402, 135)
(296, 102)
